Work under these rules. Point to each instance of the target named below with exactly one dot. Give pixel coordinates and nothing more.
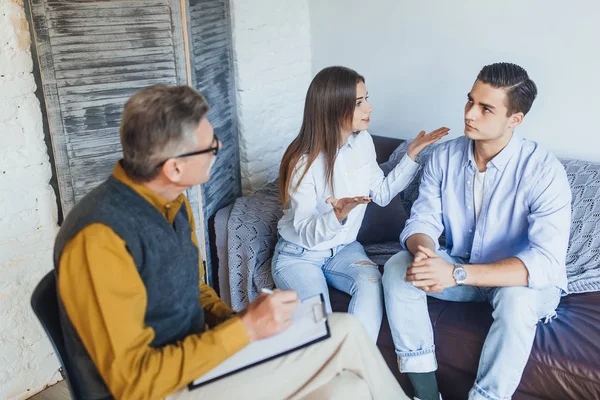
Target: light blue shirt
(526, 210)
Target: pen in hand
(269, 314)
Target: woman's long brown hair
(329, 108)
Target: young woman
(327, 176)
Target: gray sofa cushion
(583, 257)
(380, 253)
(383, 224)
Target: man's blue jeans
(345, 267)
(506, 350)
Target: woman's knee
(368, 274)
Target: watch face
(460, 274)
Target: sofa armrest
(247, 240)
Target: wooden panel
(213, 75)
(113, 30)
(95, 80)
(114, 11)
(68, 40)
(94, 55)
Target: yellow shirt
(105, 300)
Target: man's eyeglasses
(214, 150)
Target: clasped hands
(429, 272)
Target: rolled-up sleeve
(426, 212)
(549, 227)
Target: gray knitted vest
(166, 260)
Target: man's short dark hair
(520, 90)
(159, 122)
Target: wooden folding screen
(94, 54)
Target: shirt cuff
(423, 229)
(332, 224)
(538, 277)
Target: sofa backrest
(385, 146)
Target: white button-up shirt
(311, 223)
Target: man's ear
(172, 169)
(515, 120)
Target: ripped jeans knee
(369, 270)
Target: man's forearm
(508, 272)
(419, 239)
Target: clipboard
(309, 326)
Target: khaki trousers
(346, 366)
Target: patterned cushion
(583, 257)
(251, 239)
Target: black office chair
(44, 302)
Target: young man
(505, 207)
(133, 305)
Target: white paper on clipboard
(309, 325)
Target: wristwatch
(459, 274)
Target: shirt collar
(351, 140)
(164, 206)
(505, 155)
(501, 158)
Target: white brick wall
(272, 58)
(28, 215)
